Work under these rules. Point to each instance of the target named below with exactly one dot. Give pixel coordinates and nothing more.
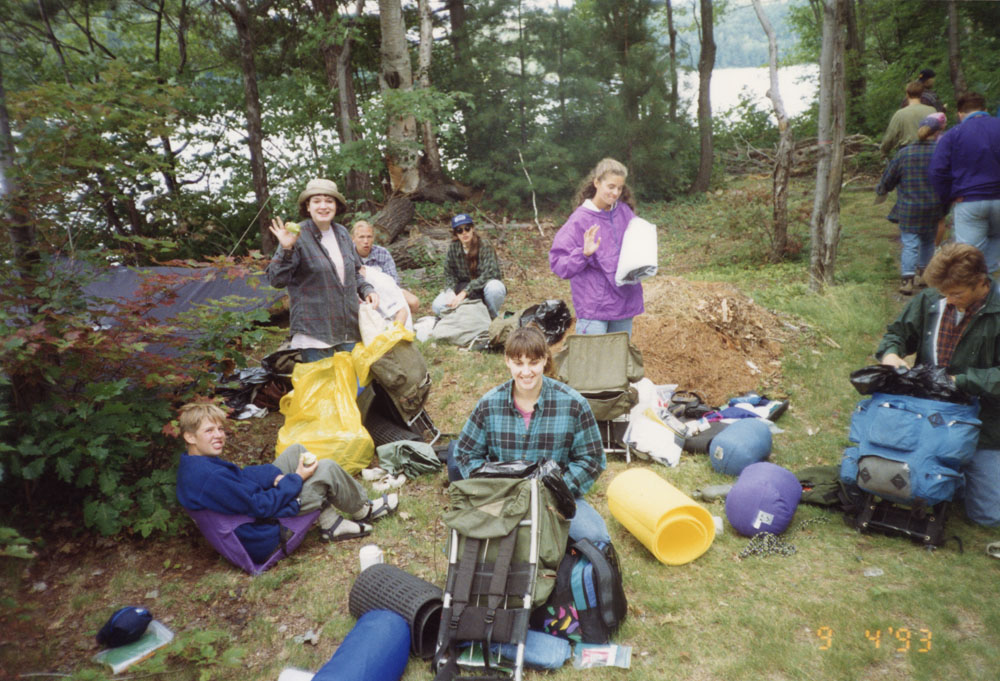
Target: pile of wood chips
(710, 338)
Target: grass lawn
(815, 614)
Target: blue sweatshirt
(966, 161)
(207, 482)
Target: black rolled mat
(386, 587)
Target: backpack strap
(603, 576)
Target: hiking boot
(906, 287)
(918, 280)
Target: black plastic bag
(927, 382)
(552, 317)
(548, 471)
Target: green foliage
(85, 424)
(13, 545)
(208, 651)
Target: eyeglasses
(463, 228)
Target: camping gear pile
(912, 437)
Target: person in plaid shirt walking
(918, 210)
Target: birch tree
(824, 227)
(786, 145)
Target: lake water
(797, 84)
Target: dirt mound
(709, 337)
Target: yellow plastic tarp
(321, 413)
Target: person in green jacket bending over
(956, 325)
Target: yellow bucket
(668, 522)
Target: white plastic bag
(638, 257)
(370, 323)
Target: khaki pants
(330, 485)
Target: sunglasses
(463, 228)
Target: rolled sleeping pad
(763, 499)
(376, 649)
(386, 587)
(744, 442)
(674, 528)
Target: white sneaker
(373, 474)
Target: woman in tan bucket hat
(321, 269)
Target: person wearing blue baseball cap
(471, 270)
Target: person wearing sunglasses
(471, 270)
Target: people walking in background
(471, 270)
(903, 125)
(587, 247)
(928, 96)
(965, 172)
(918, 210)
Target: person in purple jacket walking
(586, 250)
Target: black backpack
(588, 603)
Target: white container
(370, 554)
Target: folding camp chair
(602, 368)
(220, 528)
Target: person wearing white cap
(317, 263)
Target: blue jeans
(978, 223)
(494, 294)
(604, 326)
(586, 524)
(982, 487)
(316, 354)
(918, 249)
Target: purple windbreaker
(592, 279)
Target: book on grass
(123, 657)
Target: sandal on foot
(380, 508)
(330, 534)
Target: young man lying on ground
(286, 488)
(534, 417)
(956, 325)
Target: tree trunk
(824, 226)
(20, 227)
(954, 53)
(409, 174)
(672, 32)
(786, 146)
(432, 155)
(417, 251)
(457, 36)
(337, 66)
(855, 65)
(705, 64)
(240, 14)
(393, 219)
(396, 74)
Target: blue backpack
(588, 603)
(910, 450)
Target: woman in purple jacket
(586, 251)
